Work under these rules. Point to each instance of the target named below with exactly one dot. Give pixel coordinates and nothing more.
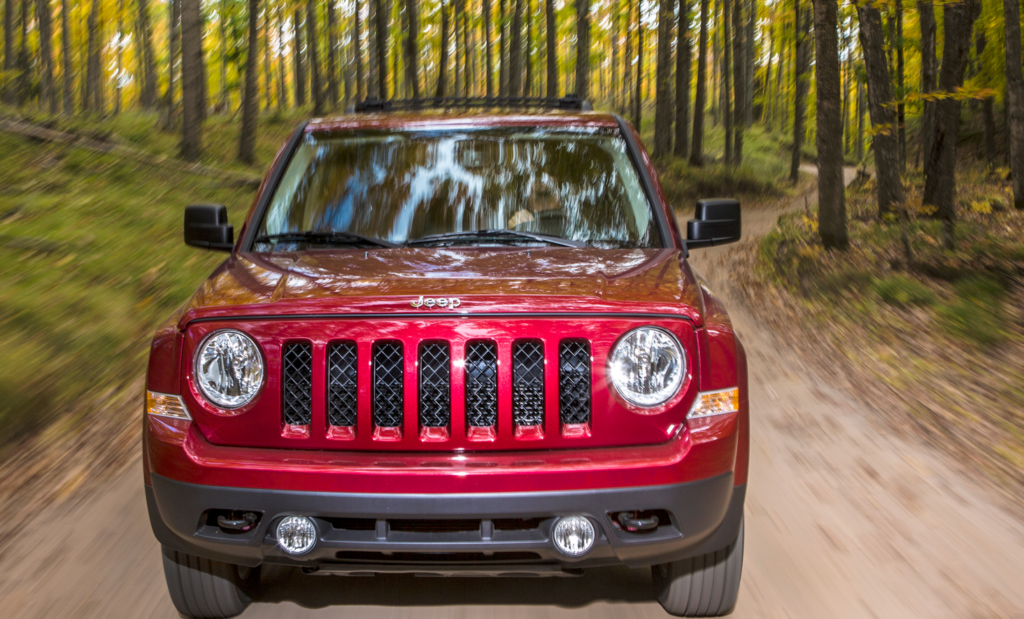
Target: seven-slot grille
(434, 383)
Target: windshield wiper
(324, 238)
(494, 235)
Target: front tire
(204, 589)
(705, 586)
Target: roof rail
(372, 104)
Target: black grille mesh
(528, 383)
(341, 384)
(297, 384)
(482, 384)
(388, 375)
(435, 385)
(574, 381)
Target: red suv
(445, 343)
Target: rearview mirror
(206, 226)
(717, 222)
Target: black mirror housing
(717, 222)
(206, 226)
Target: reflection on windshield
(402, 186)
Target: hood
(484, 280)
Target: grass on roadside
(91, 260)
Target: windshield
(518, 186)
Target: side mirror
(717, 222)
(206, 226)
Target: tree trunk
(682, 79)
(697, 149)
(926, 16)
(860, 121)
(831, 205)
(300, 70)
(357, 46)
(333, 89)
(47, 93)
(383, 23)
(9, 57)
(119, 58)
(750, 68)
(627, 60)
(225, 99)
(173, 47)
(410, 48)
(268, 75)
(940, 166)
(68, 71)
(663, 84)
(347, 69)
(781, 105)
(191, 74)
(883, 142)
(94, 79)
(250, 98)
(1015, 100)
(767, 111)
(502, 49)
(488, 56)
(144, 36)
(515, 52)
(901, 112)
(282, 90)
(528, 88)
(551, 31)
(442, 65)
(800, 87)
(727, 78)
(316, 87)
(583, 48)
(638, 100)
(845, 76)
(739, 80)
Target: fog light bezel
(589, 546)
(305, 550)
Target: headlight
(647, 366)
(229, 368)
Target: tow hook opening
(641, 520)
(232, 520)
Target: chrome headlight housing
(647, 366)
(229, 368)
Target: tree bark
(357, 46)
(119, 62)
(926, 17)
(751, 66)
(488, 56)
(1015, 100)
(173, 47)
(250, 98)
(697, 149)
(68, 70)
(333, 89)
(268, 75)
(515, 54)
(94, 68)
(988, 114)
(883, 142)
(316, 87)
(860, 121)
(831, 204)
(191, 74)
(583, 48)
(901, 112)
(627, 60)
(638, 99)
(940, 166)
(767, 111)
(223, 27)
(410, 48)
(282, 90)
(800, 87)
(739, 81)
(726, 78)
(551, 30)
(663, 84)
(300, 69)
(47, 93)
(502, 49)
(383, 23)
(144, 35)
(442, 65)
(682, 79)
(9, 53)
(528, 50)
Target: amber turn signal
(715, 403)
(164, 405)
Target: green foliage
(976, 313)
(902, 291)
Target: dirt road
(843, 520)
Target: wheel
(202, 588)
(705, 586)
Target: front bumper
(705, 517)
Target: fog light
(574, 535)
(296, 534)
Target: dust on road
(843, 520)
